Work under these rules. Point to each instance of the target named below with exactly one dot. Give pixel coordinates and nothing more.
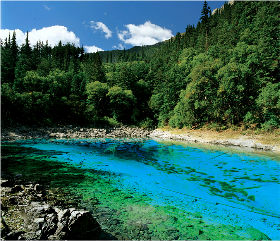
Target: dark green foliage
(7, 67)
(93, 69)
(223, 71)
(97, 100)
(269, 104)
(239, 82)
(122, 104)
(205, 13)
(199, 98)
(25, 63)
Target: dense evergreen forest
(223, 71)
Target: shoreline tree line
(223, 71)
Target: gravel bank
(10, 134)
(242, 141)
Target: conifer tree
(205, 14)
(26, 48)
(24, 64)
(6, 62)
(93, 69)
(14, 47)
(9, 41)
(14, 52)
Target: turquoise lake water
(224, 185)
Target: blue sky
(100, 25)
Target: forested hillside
(223, 71)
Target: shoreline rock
(9, 134)
(27, 215)
(70, 132)
(237, 142)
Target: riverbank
(263, 141)
(9, 134)
(250, 139)
(33, 212)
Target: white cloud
(92, 49)
(53, 34)
(102, 27)
(119, 46)
(20, 36)
(46, 7)
(144, 34)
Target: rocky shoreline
(242, 141)
(32, 212)
(9, 134)
(68, 132)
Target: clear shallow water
(224, 186)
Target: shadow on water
(33, 165)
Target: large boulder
(82, 225)
(57, 224)
(40, 220)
